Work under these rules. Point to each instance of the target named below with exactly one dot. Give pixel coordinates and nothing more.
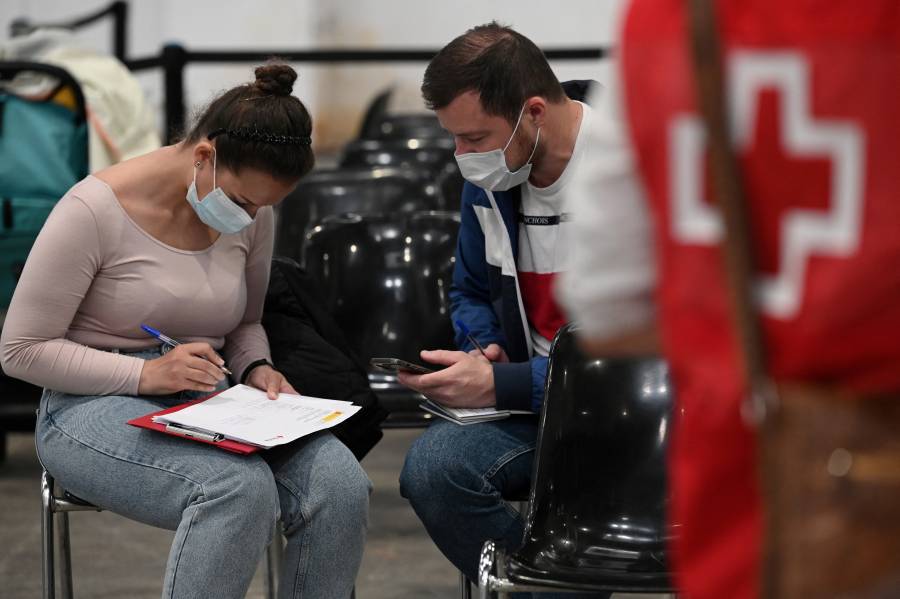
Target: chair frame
(57, 503)
(493, 577)
(465, 585)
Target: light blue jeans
(459, 480)
(222, 506)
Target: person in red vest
(812, 91)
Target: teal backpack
(43, 152)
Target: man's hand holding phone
(466, 382)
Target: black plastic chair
(406, 140)
(410, 126)
(596, 518)
(434, 155)
(375, 113)
(379, 123)
(385, 278)
(404, 126)
(360, 190)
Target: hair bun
(275, 79)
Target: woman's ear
(203, 152)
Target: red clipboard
(226, 444)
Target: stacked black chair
(405, 126)
(434, 156)
(427, 154)
(408, 141)
(385, 278)
(360, 190)
(380, 123)
(596, 517)
(378, 234)
(375, 114)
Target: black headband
(262, 136)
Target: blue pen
(171, 342)
(465, 331)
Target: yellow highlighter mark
(331, 416)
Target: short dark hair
(503, 66)
(260, 125)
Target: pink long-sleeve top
(94, 276)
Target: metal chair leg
(485, 566)
(271, 572)
(465, 587)
(47, 572)
(274, 555)
(492, 579)
(65, 556)
(500, 561)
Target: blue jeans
(459, 480)
(222, 506)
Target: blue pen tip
(150, 330)
(462, 327)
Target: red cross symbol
(804, 173)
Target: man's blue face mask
(489, 170)
(216, 209)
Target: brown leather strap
(728, 192)
(727, 189)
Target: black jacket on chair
(310, 350)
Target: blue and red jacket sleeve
(518, 385)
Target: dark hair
(504, 67)
(260, 125)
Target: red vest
(813, 90)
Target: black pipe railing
(174, 58)
(361, 55)
(117, 10)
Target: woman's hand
(186, 367)
(269, 380)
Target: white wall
(336, 94)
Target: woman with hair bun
(181, 239)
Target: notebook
(466, 416)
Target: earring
(198, 164)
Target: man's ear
(536, 110)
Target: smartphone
(395, 364)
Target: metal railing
(174, 58)
(118, 11)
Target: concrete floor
(114, 557)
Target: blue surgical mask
(216, 209)
(489, 170)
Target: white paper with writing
(245, 414)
